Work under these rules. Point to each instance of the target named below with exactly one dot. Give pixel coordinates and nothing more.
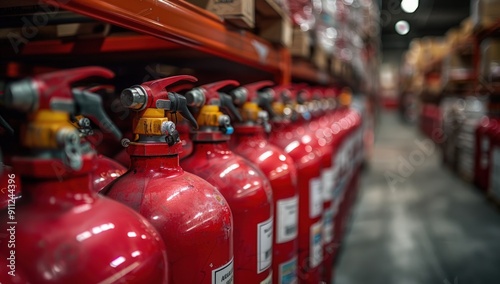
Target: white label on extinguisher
(288, 272)
(328, 224)
(315, 198)
(316, 245)
(224, 274)
(264, 245)
(327, 176)
(269, 279)
(288, 212)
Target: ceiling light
(409, 6)
(402, 27)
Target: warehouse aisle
(430, 227)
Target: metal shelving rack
(163, 26)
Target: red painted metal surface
(297, 143)
(324, 139)
(192, 217)
(64, 231)
(251, 143)
(105, 171)
(250, 197)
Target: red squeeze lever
(36, 93)
(249, 92)
(98, 88)
(140, 97)
(211, 90)
(153, 94)
(209, 94)
(53, 91)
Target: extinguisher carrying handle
(283, 94)
(209, 94)
(211, 90)
(249, 92)
(146, 95)
(90, 105)
(36, 93)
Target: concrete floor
(429, 227)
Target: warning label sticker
(224, 274)
(328, 225)
(327, 181)
(315, 198)
(288, 272)
(287, 219)
(316, 247)
(264, 245)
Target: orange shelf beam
(184, 24)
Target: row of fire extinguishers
(249, 186)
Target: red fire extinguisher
(250, 141)
(245, 188)
(307, 161)
(189, 213)
(320, 108)
(61, 229)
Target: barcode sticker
(315, 198)
(328, 215)
(316, 245)
(327, 181)
(264, 245)
(287, 218)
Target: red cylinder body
(323, 139)
(65, 233)
(297, 143)
(339, 129)
(251, 143)
(249, 195)
(192, 217)
(105, 171)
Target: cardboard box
(272, 23)
(240, 13)
(490, 60)
(278, 31)
(80, 30)
(300, 43)
(484, 13)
